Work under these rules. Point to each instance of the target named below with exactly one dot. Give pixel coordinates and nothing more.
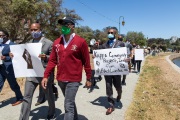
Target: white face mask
(1, 40)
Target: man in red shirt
(70, 54)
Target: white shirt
(70, 39)
(67, 43)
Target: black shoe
(118, 98)
(38, 103)
(49, 117)
(137, 73)
(99, 79)
(123, 82)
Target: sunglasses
(66, 24)
(110, 32)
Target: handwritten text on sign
(111, 61)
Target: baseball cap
(66, 20)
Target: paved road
(91, 106)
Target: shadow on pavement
(118, 105)
(102, 101)
(7, 102)
(80, 117)
(41, 113)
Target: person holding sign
(112, 79)
(6, 68)
(32, 82)
(70, 53)
(94, 79)
(139, 56)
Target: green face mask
(65, 30)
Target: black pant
(116, 81)
(93, 81)
(138, 65)
(41, 97)
(133, 61)
(8, 73)
(124, 78)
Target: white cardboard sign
(26, 62)
(111, 61)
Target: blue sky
(154, 18)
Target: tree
(163, 47)
(136, 37)
(160, 42)
(14, 14)
(85, 32)
(100, 35)
(153, 46)
(17, 15)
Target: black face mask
(5, 39)
(120, 39)
(134, 45)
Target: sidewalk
(90, 106)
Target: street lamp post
(123, 22)
(146, 40)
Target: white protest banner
(139, 54)
(26, 62)
(111, 61)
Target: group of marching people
(67, 50)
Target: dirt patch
(7, 93)
(157, 95)
(168, 72)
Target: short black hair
(5, 32)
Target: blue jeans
(69, 90)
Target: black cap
(66, 20)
